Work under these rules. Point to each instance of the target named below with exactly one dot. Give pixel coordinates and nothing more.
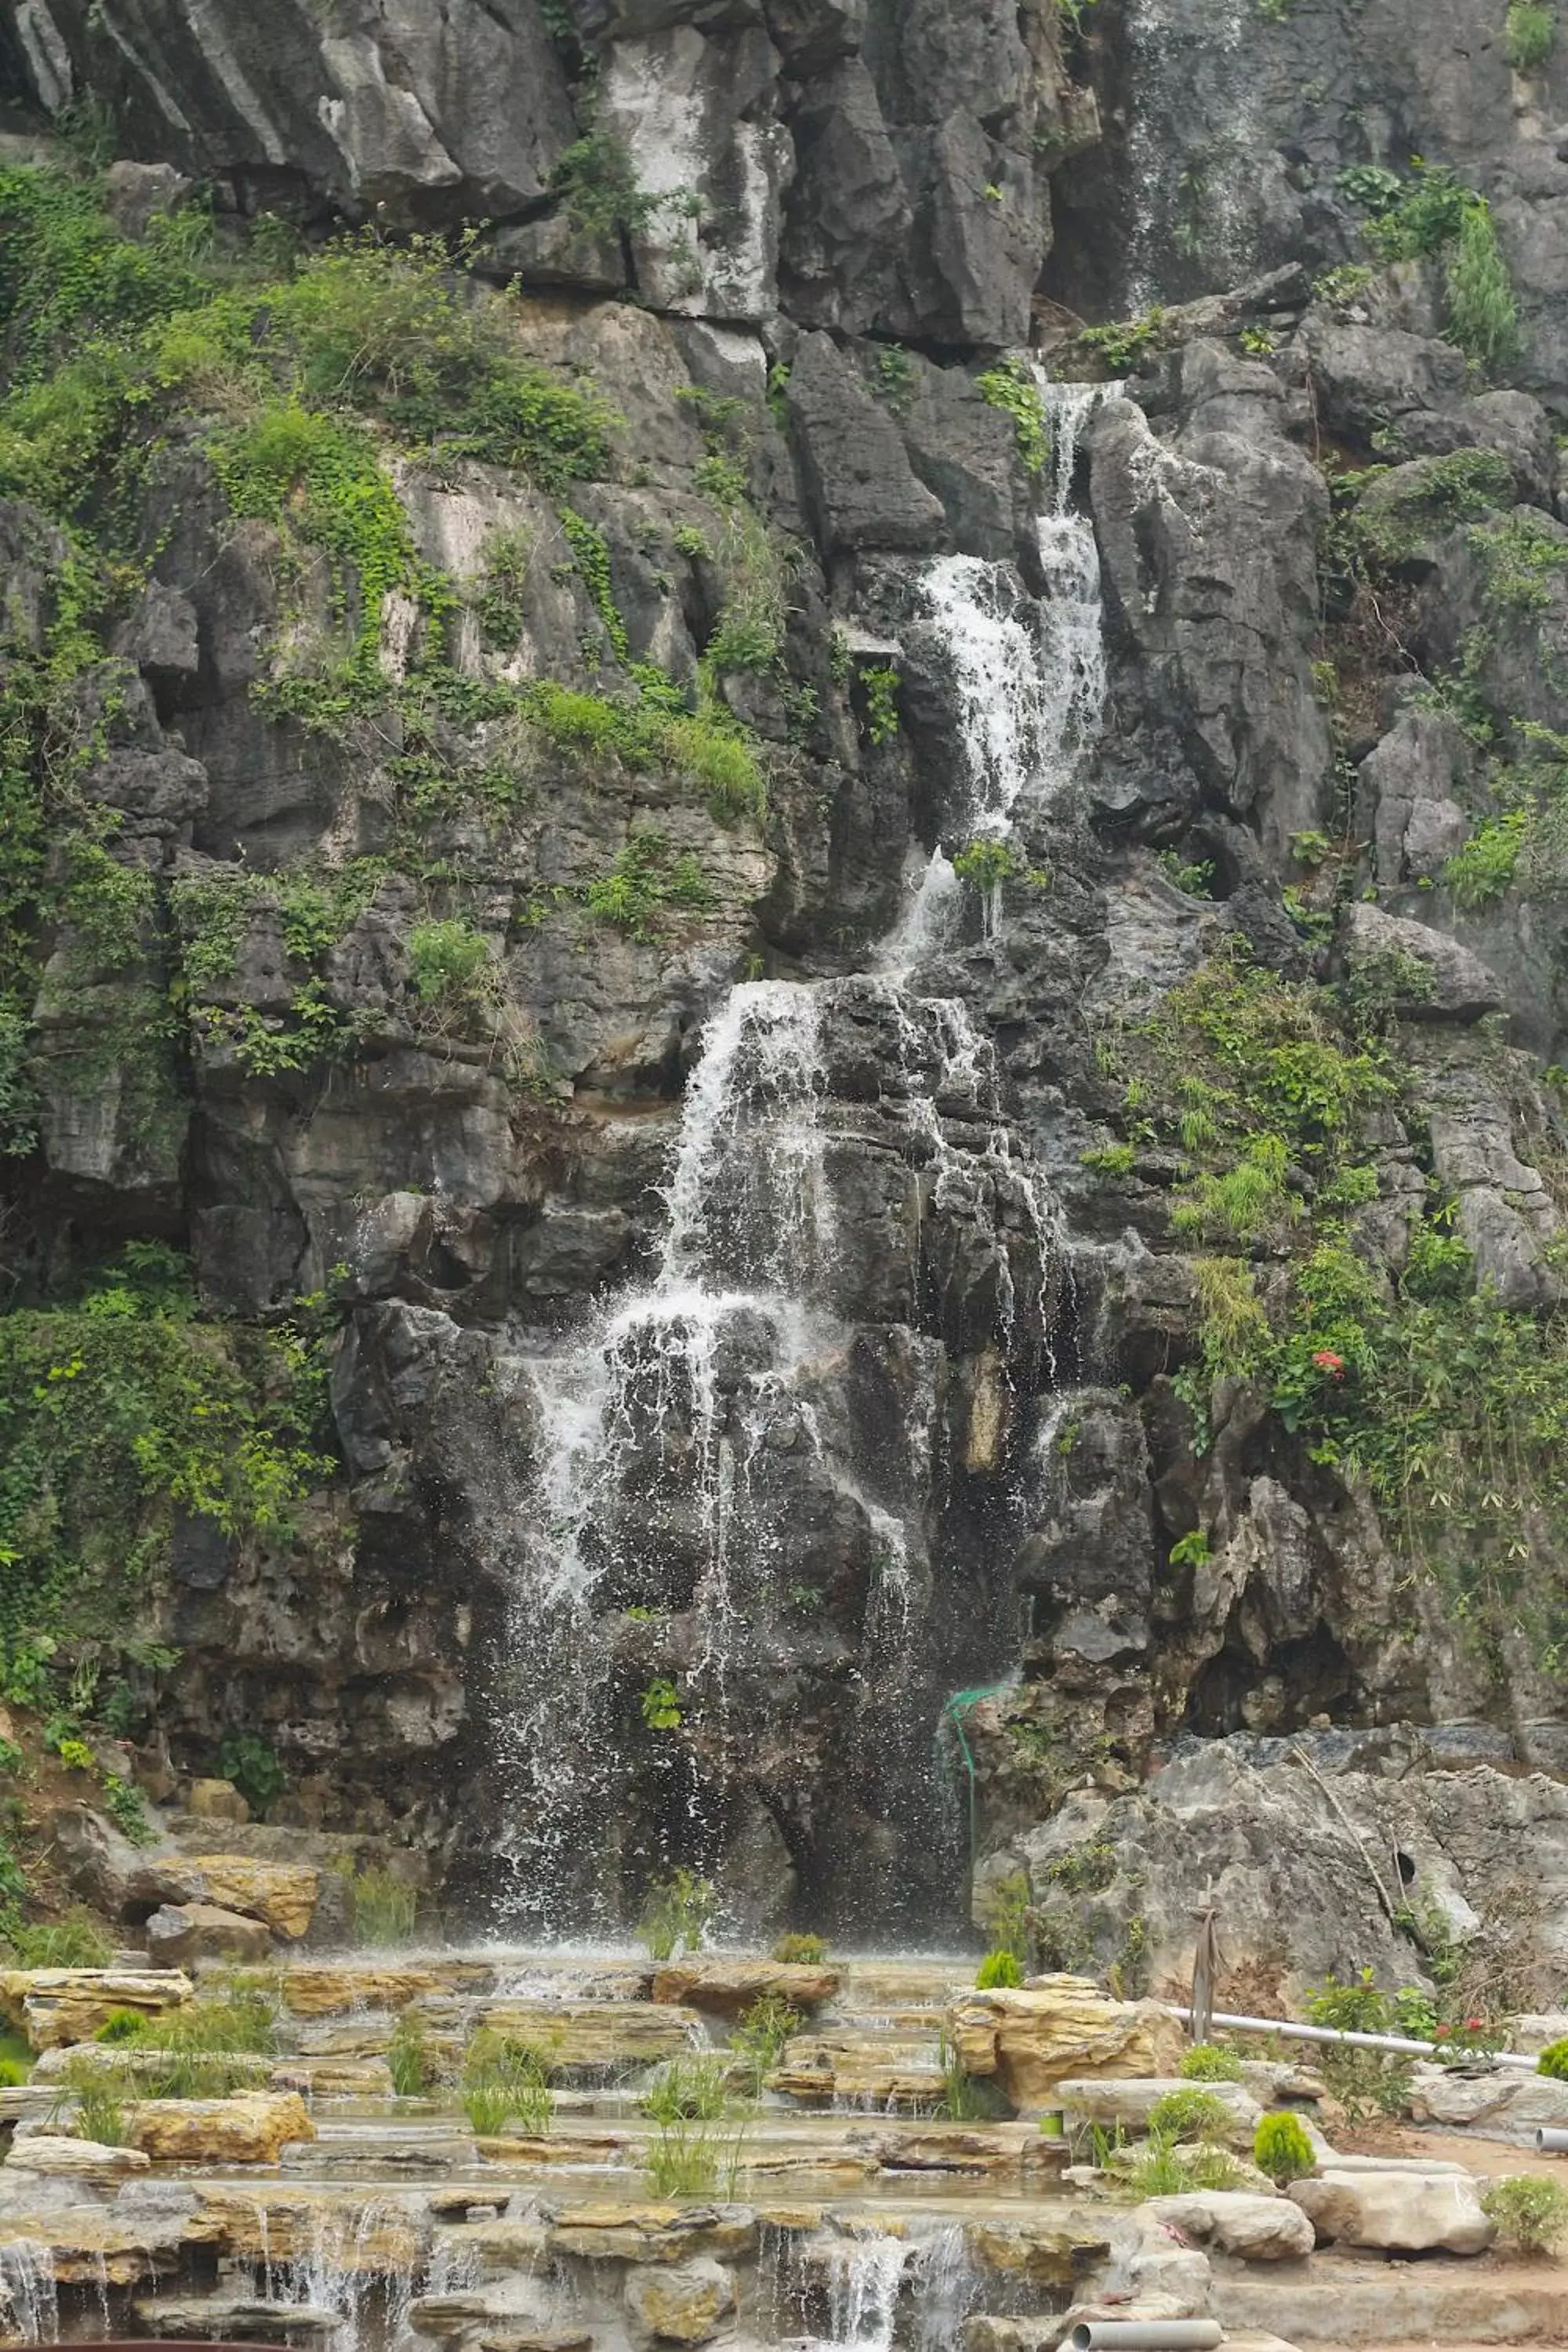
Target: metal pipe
(1552, 2143)
(1330, 2033)
(1147, 2335)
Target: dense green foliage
(1433, 212)
(1011, 386)
(1207, 2061)
(1450, 1407)
(122, 1409)
(1529, 33)
(1553, 2060)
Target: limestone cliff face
(786, 243)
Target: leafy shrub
(1482, 868)
(998, 1971)
(123, 2025)
(127, 1809)
(1207, 2062)
(1529, 2212)
(646, 880)
(1281, 2149)
(447, 959)
(985, 861)
(1553, 2060)
(249, 1761)
(1189, 2113)
(676, 1914)
(1011, 386)
(598, 186)
(660, 1707)
(800, 1950)
(115, 1414)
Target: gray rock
(1398, 2213)
(858, 478)
(1253, 2229)
(1208, 541)
(1387, 950)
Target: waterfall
(669, 1429)
(28, 2289)
(864, 2276)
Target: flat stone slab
(213, 2316)
(340, 1992)
(597, 2035)
(727, 1986)
(81, 2159)
(58, 2006)
(1328, 2302)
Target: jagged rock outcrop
(776, 1390)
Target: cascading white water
(27, 2284)
(662, 1425)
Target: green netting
(957, 1707)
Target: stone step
(1429, 2303)
(221, 2318)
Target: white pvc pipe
(1147, 2335)
(1332, 2034)
(1552, 2143)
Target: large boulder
(680, 2302)
(1253, 2229)
(1427, 975)
(1057, 2029)
(1503, 2102)
(282, 1893)
(1401, 2212)
(180, 1933)
(253, 2127)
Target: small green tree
(999, 1973)
(1281, 2149)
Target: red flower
(1475, 2024)
(1441, 2032)
(1327, 1361)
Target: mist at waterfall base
(745, 1504)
